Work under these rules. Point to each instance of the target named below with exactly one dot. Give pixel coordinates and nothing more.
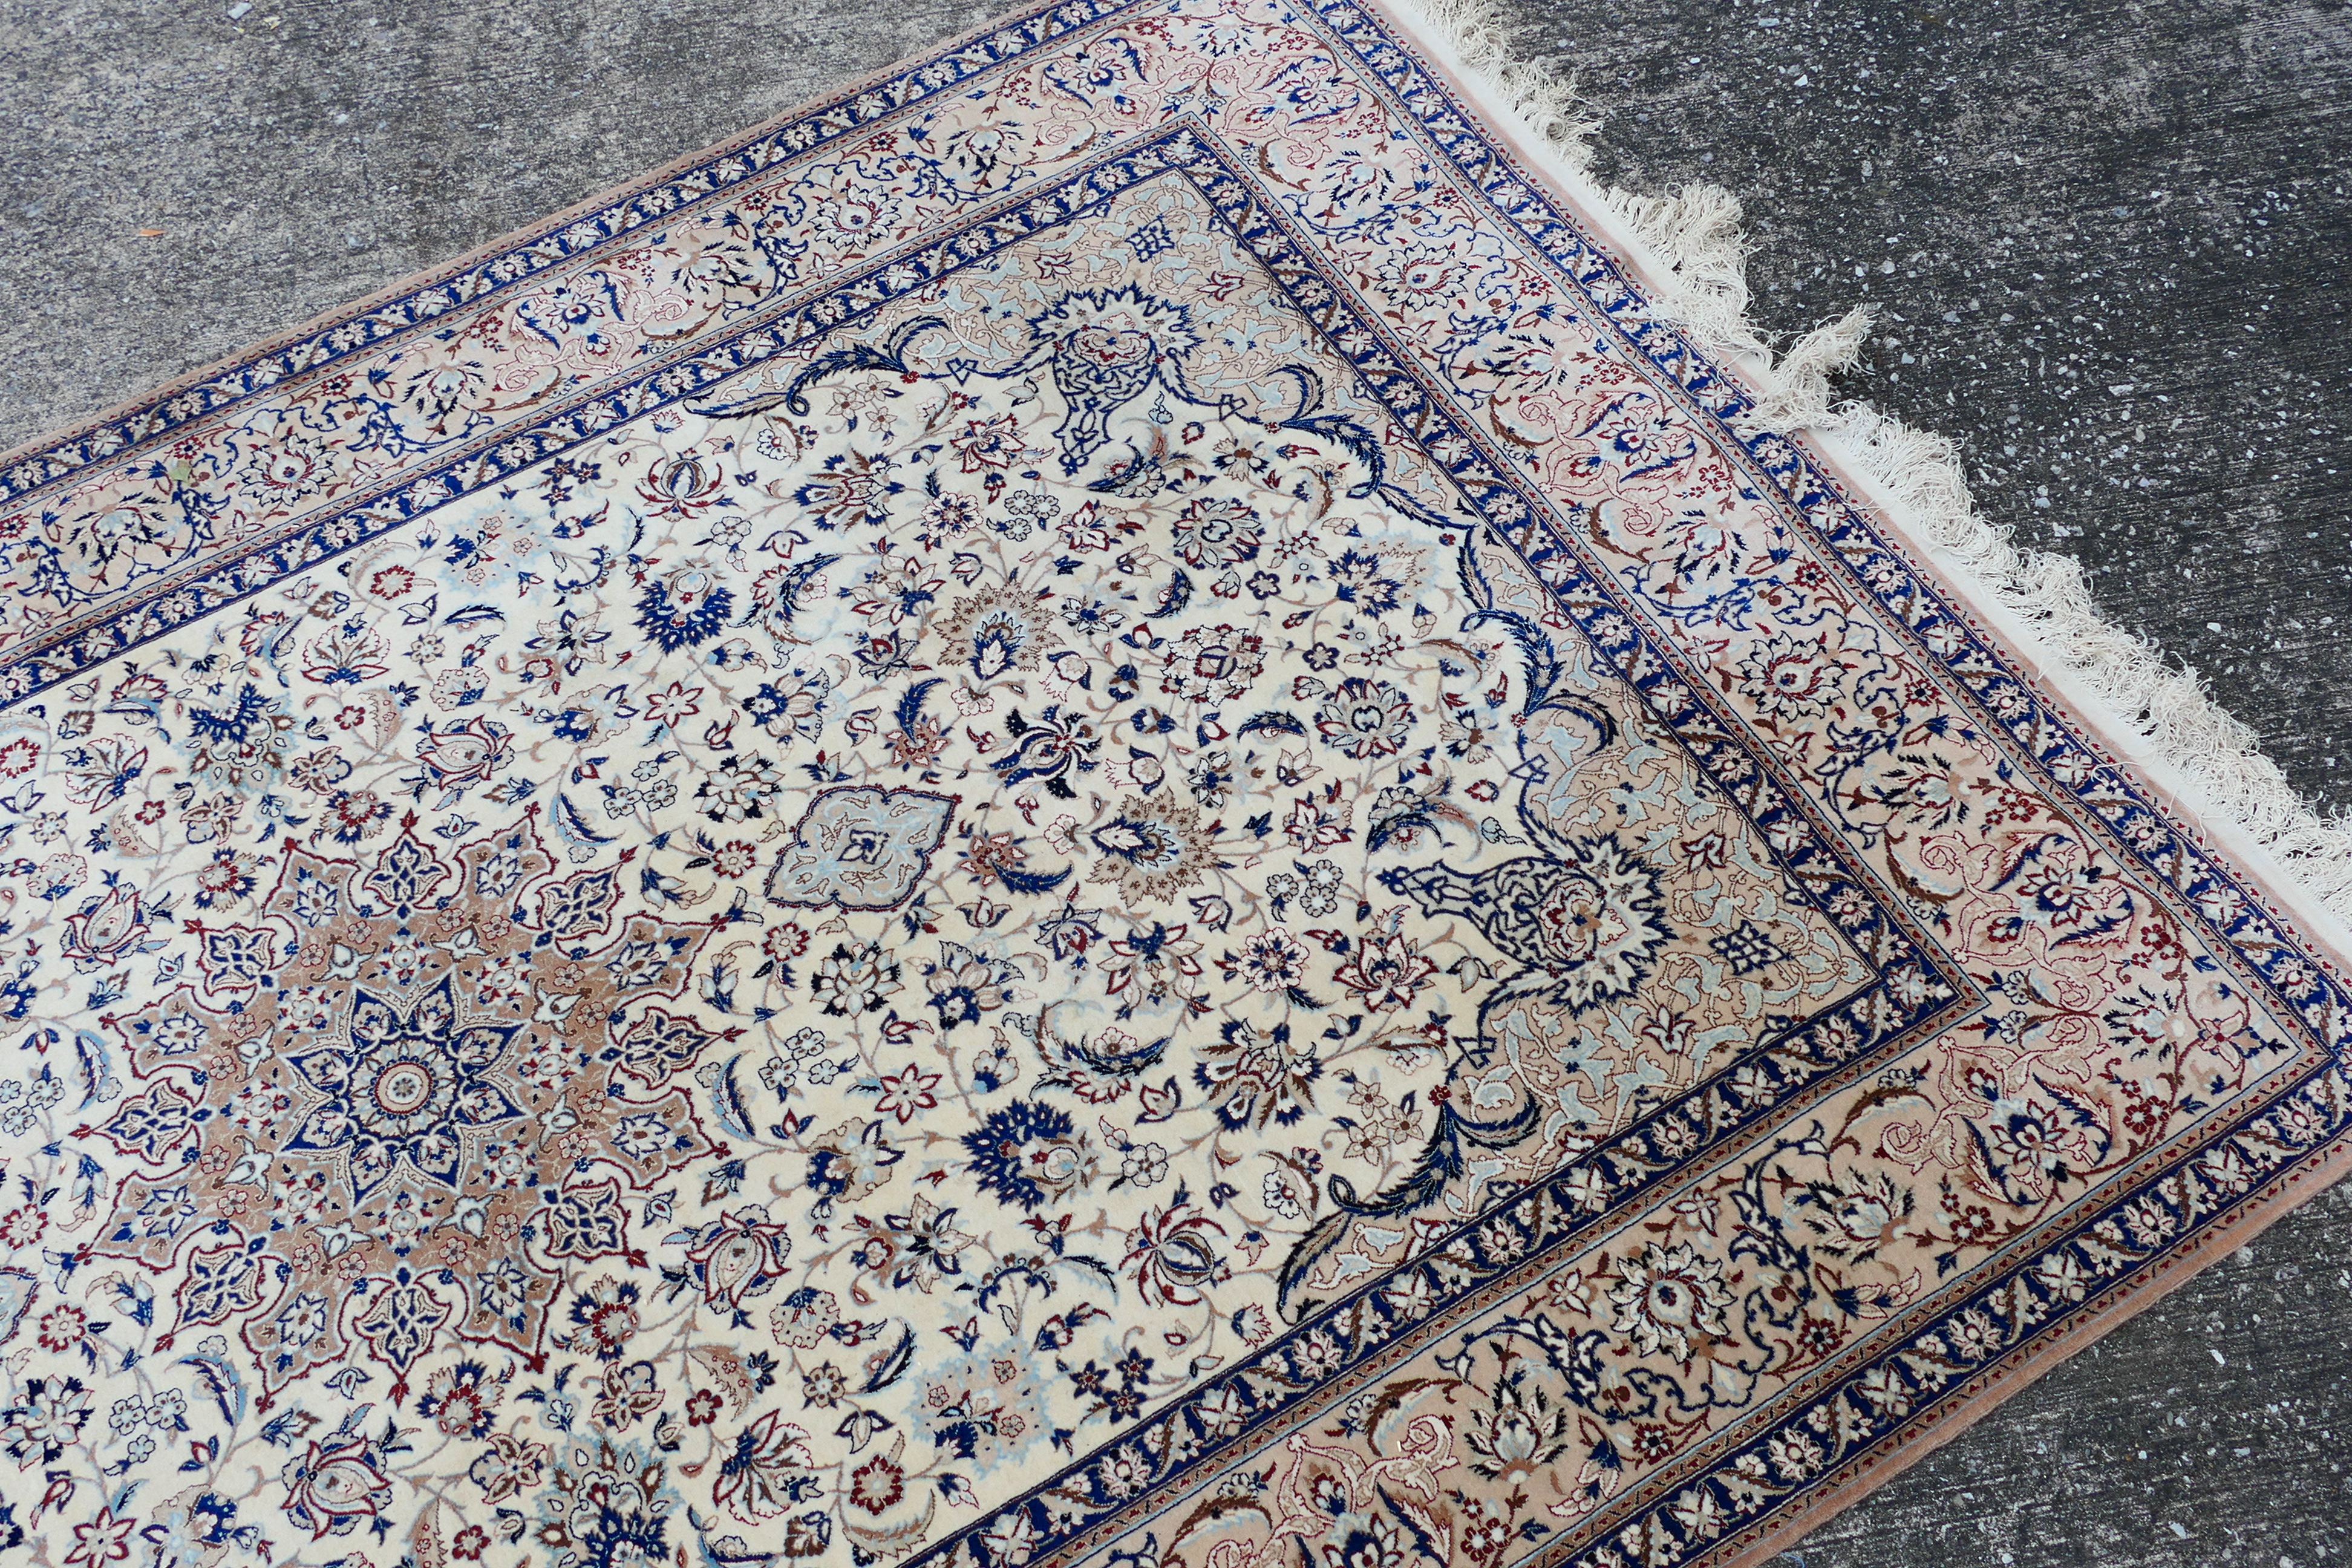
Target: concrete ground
(2047, 200)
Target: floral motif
(860, 849)
(420, 1112)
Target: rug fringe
(1700, 251)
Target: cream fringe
(1701, 254)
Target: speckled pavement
(2108, 244)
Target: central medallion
(406, 1086)
(405, 1098)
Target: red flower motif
(1387, 971)
(995, 445)
(877, 1484)
(908, 1092)
(62, 1328)
(106, 1539)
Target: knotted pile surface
(1094, 809)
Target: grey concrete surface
(2049, 200)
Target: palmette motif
(1086, 813)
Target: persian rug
(1115, 805)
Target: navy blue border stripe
(550, 245)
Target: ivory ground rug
(1094, 809)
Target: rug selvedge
(922, 742)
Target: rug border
(1533, 113)
(1834, 449)
(1687, 254)
(1829, 446)
(2224, 836)
(516, 238)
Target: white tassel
(1802, 398)
(1697, 233)
(1701, 265)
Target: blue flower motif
(237, 724)
(1001, 1147)
(404, 1087)
(674, 624)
